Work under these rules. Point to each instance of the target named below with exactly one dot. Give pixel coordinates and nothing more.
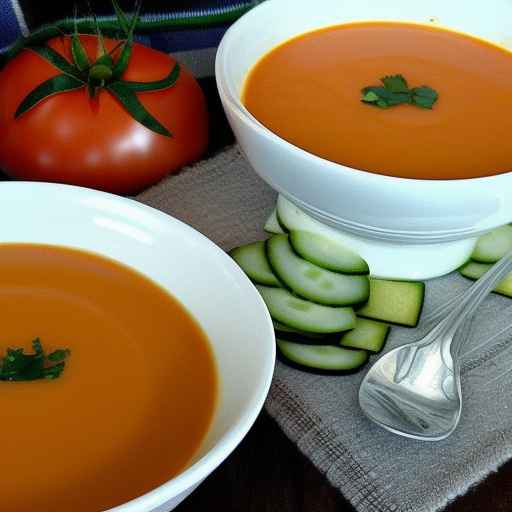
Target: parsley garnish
(18, 366)
(395, 91)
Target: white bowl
(447, 214)
(198, 273)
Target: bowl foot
(397, 259)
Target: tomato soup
(137, 394)
(308, 91)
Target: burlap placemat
(377, 471)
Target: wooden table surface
(267, 473)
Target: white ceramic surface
(205, 280)
(446, 215)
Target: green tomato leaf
(57, 60)
(395, 83)
(55, 85)
(157, 85)
(126, 52)
(127, 97)
(121, 17)
(79, 54)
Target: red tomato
(69, 138)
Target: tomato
(71, 138)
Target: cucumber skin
(269, 228)
(286, 287)
(322, 339)
(260, 289)
(255, 279)
(317, 371)
(281, 223)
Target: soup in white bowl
(166, 352)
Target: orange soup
(308, 91)
(134, 401)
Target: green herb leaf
(157, 85)
(395, 83)
(57, 60)
(424, 96)
(127, 97)
(55, 85)
(36, 345)
(382, 96)
(53, 372)
(395, 91)
(370, 97)
(19, 366)
(57, 356)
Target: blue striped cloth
(18, 17)
(12, 23)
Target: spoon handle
(476, 294)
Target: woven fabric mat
(377, 471)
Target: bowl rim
(233, 101)
(233, 435)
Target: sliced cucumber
(321, 358)
(304, 315)
(367, 334)
(311, 281)
(279, 327)
(493, 245)
(327, 253)
(253, 261)
(309, 338)
(272, 225)
(474, 270)
(397, 302)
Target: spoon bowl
(414, 390)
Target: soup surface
(308, 91)
(134, 401)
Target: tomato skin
(70, 138)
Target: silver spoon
(414, 390)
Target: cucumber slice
(327, 253)
(304, 315)
(253, 261)
(321, 358)
(311, 281)
(272, 225)
(493, 245)
(368, 335)
(474, 270)
(397, 302)
(309, 338)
